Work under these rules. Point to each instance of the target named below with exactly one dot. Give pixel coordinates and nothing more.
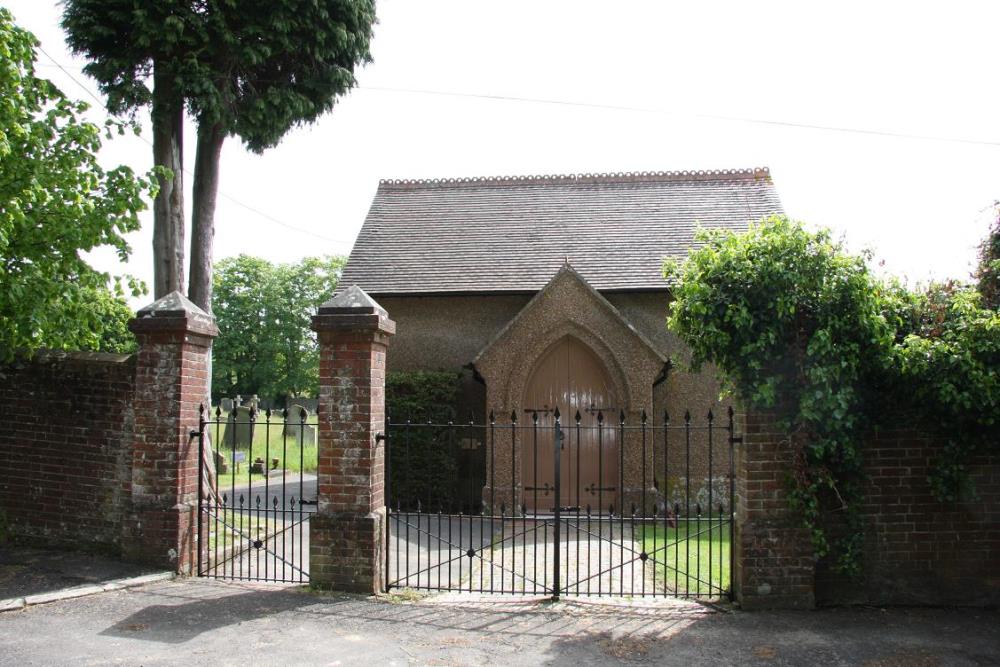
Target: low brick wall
(66, 441)
(919, 550)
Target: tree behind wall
(265, 344)
(56, 202)
(127, 43)
(988, 272)
(253, 68)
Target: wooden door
(571, 377)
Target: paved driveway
(196, 622)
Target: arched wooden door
(571, 377)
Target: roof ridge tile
(751, 174)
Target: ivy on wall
(803, 328)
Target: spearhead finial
(557, 413)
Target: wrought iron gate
(659, 525)
(255, 498)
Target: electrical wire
(234, 200)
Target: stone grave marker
(294, 428)
(238, 426)
(226, 405)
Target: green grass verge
(682, 556)
(225, 529)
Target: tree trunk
(168, 208)
(206, 188)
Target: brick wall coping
(174, 312)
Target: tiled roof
(512, 234)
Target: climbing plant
(803, 328)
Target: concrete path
(195, 622)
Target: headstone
(221, 463)
(252, 402)
(310, 404)
(296, 428)
(227, 405)
(239, 429)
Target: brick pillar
(775, 567)
(175, 339)
(347, 532)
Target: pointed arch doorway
(569, 376)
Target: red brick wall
(774, 563)
(346, 538)
(66, 425)
(919, 550)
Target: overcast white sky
(904, 68)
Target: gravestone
(310, 404)
(252, 402)
(221, 463)
(226, 405)
(238, 426)
(295, 428)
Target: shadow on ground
(28, 571)
(190, 611)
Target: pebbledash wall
(66, 437)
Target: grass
(687, 558)
(224, 529)
(268, 443)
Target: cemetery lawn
(686, 560)
(229, 528)
(268, 443)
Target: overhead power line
(688, 114)
(236, 201)
(670, 112)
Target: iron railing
(255, 495)
(653, 515)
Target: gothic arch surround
(568, 307)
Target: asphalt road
(196, 622)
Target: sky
(877, 120)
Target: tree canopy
(264, 310)
(988, 271)
(253, 68)
(801, 327)
(56, 202)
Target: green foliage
(263, 312)
(423, 460)
(988, 272)
(257, 67)
(56, 202)
(948, 368)
(800, 327)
